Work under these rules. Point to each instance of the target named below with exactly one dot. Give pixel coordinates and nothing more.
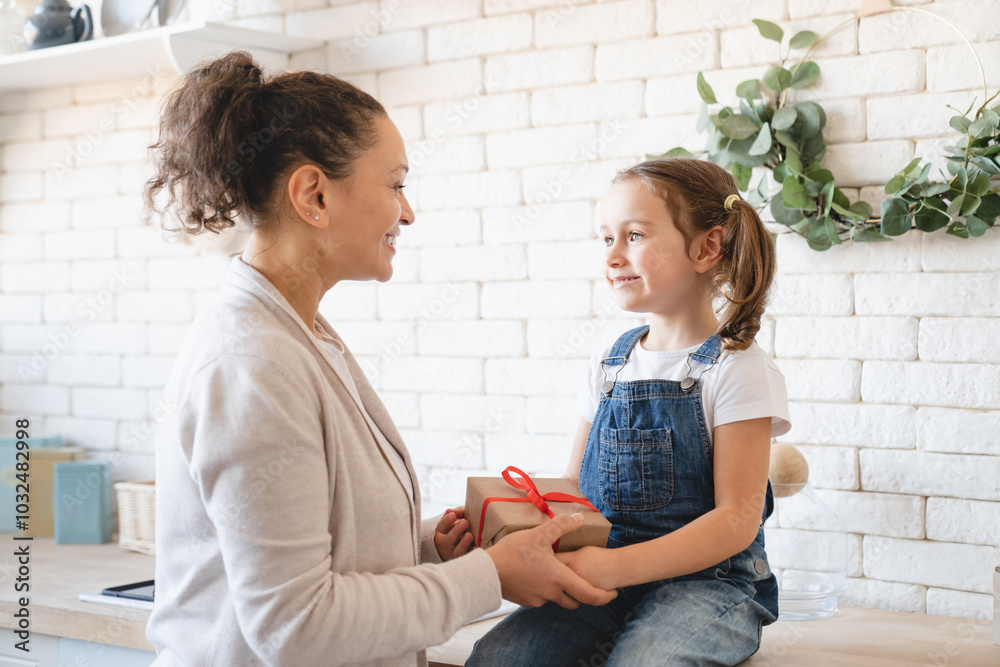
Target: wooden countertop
(853, 636)
(59, 573)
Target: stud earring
(315, 217)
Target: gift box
(498, 506)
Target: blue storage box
(83, 502)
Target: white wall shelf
(134, 55)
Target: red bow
(533, 496)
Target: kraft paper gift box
(503, 517)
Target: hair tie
(730, 200)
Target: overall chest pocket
(636, 468)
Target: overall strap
(709, 351)
(624, 345)
(707, 354)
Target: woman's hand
(531, 575)
(452, 536)
(595, 564)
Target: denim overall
(648, 468)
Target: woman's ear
(706, 251)
(306, 187)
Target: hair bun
(227, 137)
(236, 68)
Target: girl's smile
(646, 262)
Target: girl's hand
(595, 564)
(452, 537)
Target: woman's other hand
(452, 536)
(531, 575)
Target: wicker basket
(137, 516)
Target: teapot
(56, 23)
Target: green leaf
(805, 75)
(955, 207)
(895, 216)
(905, 171)
(777, 78)
(992, 117)
(786, 140)
(762, 144)
(867, 235)
(784, 118)
(817, 173)
(844, 211)
(795, 195)
(749, 89)
(783, 215)
(781, 171)
(810, 120)
(987, 165)
(737, 126)
(934, 189)
(929, 219)
(980, 128)
(840, 198)
(990, 208)
(749, 111)
(802, 39)
(823, 235)
(814, 149)
(793, 161)
(970, 204)
(980, 185)
(958, 229)
(862, 209)
(960, 123)
(677, 152)
(742, 176)
(827, 194)
(705, 90)
(769, 31)
(976, 226)
(895, 184)
(759, 194)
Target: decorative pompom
(789, 471)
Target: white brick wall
(517, 113)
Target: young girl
(674, 443)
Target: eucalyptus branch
(787, 139)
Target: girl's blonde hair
(695, 192)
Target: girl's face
(369, 207)
(646, 262)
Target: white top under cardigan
(284, 535)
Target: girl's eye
(609, 241)
(634, 236)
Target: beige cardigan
(283, 534)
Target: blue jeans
(684, 622)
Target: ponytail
(227, 135)
(703, 195)
(744, 275)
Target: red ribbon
(533, 496)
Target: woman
(288, 513)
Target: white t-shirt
(336, 353)
(743, 385)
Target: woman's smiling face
(369, 207)
(646, 262)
